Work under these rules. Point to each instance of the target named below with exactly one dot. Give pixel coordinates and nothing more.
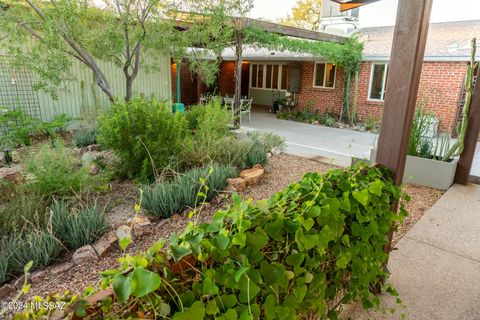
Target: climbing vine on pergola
(346, 55)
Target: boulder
(276, 151)
(105, 244)
(107, 158)
(123, 232)
(38, 276)
(141, 226)
(253, 176)
(316, 123)
(61, 268)
(119, 215)
(11, 174)
(6, 290)
(94, 147)
(84, 254)
(238, 183)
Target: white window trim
(264, 79)
(324, 76)
(384, 83)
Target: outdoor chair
(246, 108)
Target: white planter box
(427, 172)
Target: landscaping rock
(316, 123)
(253, 176)
(176, 217)
(38, 276)
(11, 174)
(108, 158)
(105, 244)
(94, 147)
(238, 183)
(61, 268)
(120, 214)
(6, 290)
(276, 151)
(84, 254)
(123, 232)
(141, 226)
(230, 189)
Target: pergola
(408, 49)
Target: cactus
(458, 147)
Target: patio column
(408, 49)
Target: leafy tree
(306, 14)
(47, 36)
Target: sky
(380, 13)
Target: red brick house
(322, 85)
(268, 76)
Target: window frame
(384, 82)
(264, 78)
(324, 76)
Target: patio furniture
(230, 103)
(246, 108)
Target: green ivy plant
(319, 242)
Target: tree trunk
(238, 77)
(346, 99)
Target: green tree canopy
(307, 14)
(47, 36)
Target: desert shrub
(41, 247)
(230, 151)
(17, 128)
(166, 198)
(21, 209)
(213, 124)
(318, 242)
(56, 171)
(330, 120)
(193, 114)
(162, 199)
(267, 139)
(145, 136)
(3, 266)
(77, 229)
(85, 137)
(257, 154)
(58, 125)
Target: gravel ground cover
(281, 171)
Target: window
(269, 76)
(378, 82)
(324, 75)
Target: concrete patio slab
(436, 267)
(453, 224)
(312, 141)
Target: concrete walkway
(436, 267)
(312, 141)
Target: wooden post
(409, 41)
(464, 166)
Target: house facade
(321, 84)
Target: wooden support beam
(293, 31)
(406, 62)
(464, 166)
(408, 50)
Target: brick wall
(440, 86)
(321, 99)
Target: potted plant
(432, 162)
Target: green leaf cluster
(318, 242)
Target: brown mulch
(281, 171)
